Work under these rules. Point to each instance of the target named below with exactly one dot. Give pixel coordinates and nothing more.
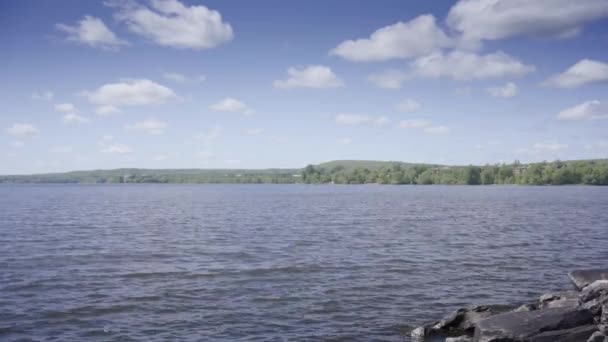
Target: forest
(589, 172)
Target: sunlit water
(280, 262)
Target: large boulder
(578, 334)
(594, 296)
(459, 322)
(524, 325)
(558, 300)
(582, 278)
(598, 337)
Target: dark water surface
(280, 262)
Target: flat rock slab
(578, 334)
(582, 278)
(524, 325)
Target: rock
(459, 339)
(578, 334)
(582, 278)
(598, 337)
(559, 300)
(418, 334)
(464, 320)
(604, 317)
(594, 290)
(527, 307)
(523, 325)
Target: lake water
(280, 262)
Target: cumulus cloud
(255, 131)
(211, 135)
(44, 96)
(408, 105)
(22, 130)
(543, 147)
(359, 119)
(181, 78)
(464, 66)
(312, 76)
(424, 125)
(233, 105)
(589, 110)
(130, 92)
(417, 37)
(116, 149)
(414, 123)
(498, 19)
(510, 89)
(171, 23)
(389, 79)
(71, 114)
(345, 141)
(107, 110)
(585, 71)
(150, 126)
(93, 32)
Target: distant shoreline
(582, 172)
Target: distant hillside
(592, 172)
(351, 165)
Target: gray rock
(523, 325)
(578, 334)
(594, 290)
(527, 307)
(559, 300)
(459, 339)
(582, 278)
(418, 334)
(598, 337)
(464, 320)
(604, 317)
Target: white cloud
(233, 105)
(312, 76)
(150, 126)
(589, 110)
(408, 105)
(210, 136)
(359, 119)
(171, 23)
(389, 79)
(417, 37)
(116, 149)
(181, 78)
(497, 19)
(585, 71)
(45, 96)
(160, 157)
(130, 92)
(71, 113)
(93, 32)
(425, 125)
(464, 66)
(17, 143)
(107, 110)
(599, 145)
(107, 138)
(414, 123)
(71, 118)
(508, 90)
(543, 147)
(255, 131)
(437, 129)
(345, 141)
(61, 149)
(22, 130)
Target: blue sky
(258, 84)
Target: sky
(273, 83)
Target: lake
(280, 262)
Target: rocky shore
(579, 315)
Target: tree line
(546, 173)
